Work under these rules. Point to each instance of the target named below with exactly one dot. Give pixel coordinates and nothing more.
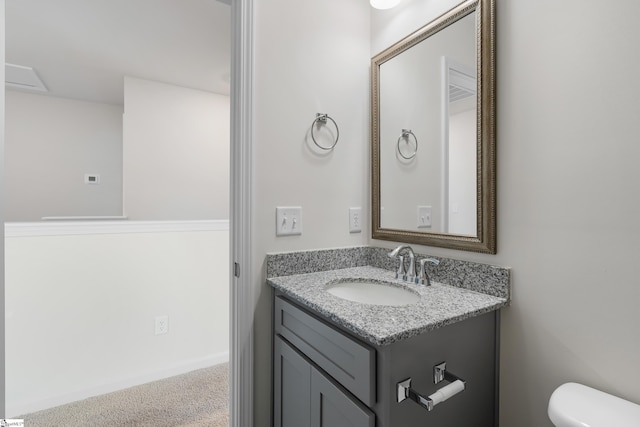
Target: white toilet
(576, 405)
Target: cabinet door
(351, 363)
(331, 407)
(291, 387)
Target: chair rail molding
(76, 228)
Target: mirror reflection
(428, 177)
(433, 133)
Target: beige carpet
(196, 399)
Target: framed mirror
(433, 139)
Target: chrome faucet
(419, 275)
(410, 274)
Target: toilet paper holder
(440, 373)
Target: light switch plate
(288, 221)
(162, 324)
(424, 216)
(355, 220)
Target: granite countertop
(439, 304)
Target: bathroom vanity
(431, 361)
(340, 363)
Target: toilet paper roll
(447, 391)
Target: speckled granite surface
(484, 278)
(288, 263)
(438, 306)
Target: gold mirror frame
(485, 239)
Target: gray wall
(50, 144)
(567, 194)
(567, 174)
(567, 199)
(176, 152)
(172, 148)
(317, 63)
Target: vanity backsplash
(483, 278)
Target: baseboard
(14, 409)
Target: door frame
(2, 215)
(241, 274)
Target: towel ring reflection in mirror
(405, 137)
(321, 119)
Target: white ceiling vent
(22, 77)
(461, 85)
(457, 93)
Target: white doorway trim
(2, 202)
(463, 77)
(241, 292)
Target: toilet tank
(576, 405)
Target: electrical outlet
(162, 325)
(424, 216)
(355, 220)
(288, 221)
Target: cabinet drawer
(349, 362)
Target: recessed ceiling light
(384, 4)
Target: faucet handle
(400, 273)
(422, 278)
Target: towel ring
(405, 136)
(322, 119)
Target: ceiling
(82, 49)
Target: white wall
(391, 25)
(50, 144)
(176, 152)
(81, 307)
(567, 200)
(311, 56)
(462, 173)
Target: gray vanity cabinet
(325, 376)
(292, 385)
(331, 406)
(305, 397)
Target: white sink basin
(372, 292)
